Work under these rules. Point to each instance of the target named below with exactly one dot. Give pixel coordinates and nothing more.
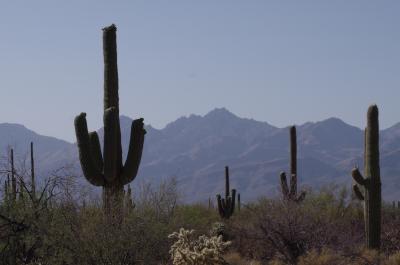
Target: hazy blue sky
(279, 61)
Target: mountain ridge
(195, 149)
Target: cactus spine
(109, 172)
(226, 206)
(371, 181)
(291, 195)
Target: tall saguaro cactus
(291, 194)
(226, 206)
(107, 170)
(370, 183)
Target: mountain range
(195, 149)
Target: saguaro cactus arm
(357, 192)
(112, 164)
(90, 171)
(134, 156)
(371, 181)
(355, 173)
(96, 150)
(226, 206)
(284, 185)
(360, 180)
(221, 209)
(290, 192)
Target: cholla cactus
(201, 251)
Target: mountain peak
(334, 122)
(13, 126)
(220, 112)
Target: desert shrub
(390, 236)
(393, 260)
(234, 258)
(196, 217)
(325, 257)
(60, 229)
(285, 230)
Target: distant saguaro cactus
(238, 206)
(226, 206)
(10, 185)
(33, 184)
(291, 195)
(109, 172)
(13, 178)
(371, 182)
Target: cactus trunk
(371, 182)
(290, 193)
(113, 201)
(33, 185)
(107, 169)
(373, 192)
(226, 206)
(13, 178)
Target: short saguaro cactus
(226, 206)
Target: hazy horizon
(283, 63)
(202, 115)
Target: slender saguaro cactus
(107, 170)
(371, 181)
(238, 197)
(33, 185)
(13, 178)
(226, 206)
(291, 195)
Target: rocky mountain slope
(195, 150)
